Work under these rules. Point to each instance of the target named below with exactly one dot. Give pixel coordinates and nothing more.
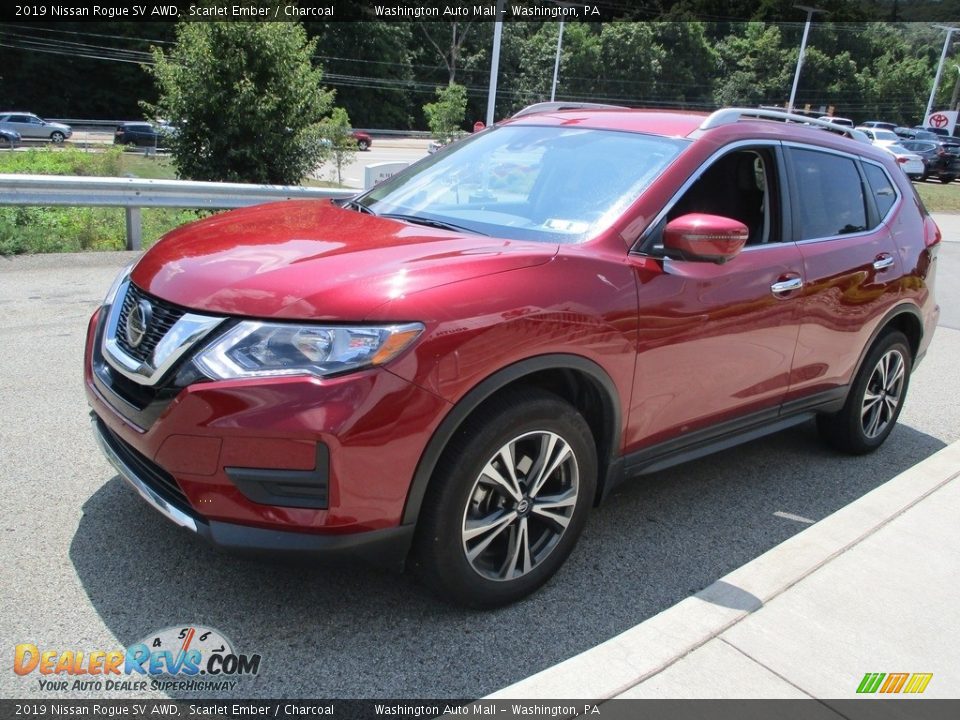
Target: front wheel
(57, 138)
(508, 500)
(362, 144)
(875, 400)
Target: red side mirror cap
(708, 238)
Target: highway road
(384, 149)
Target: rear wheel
(508, 500)
(947, 179)
(875, 400)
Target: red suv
(450, 369)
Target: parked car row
(920, 153)
(30, 127)
(941, 158)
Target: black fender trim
(486, 388)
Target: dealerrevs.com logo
(183, 658)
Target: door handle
(883, 262)
(783, 286)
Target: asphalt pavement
(88, 566)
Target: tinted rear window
(831, 200)
(883, 191)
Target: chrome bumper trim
(172, 513)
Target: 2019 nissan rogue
(450, 369)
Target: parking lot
(89, 566)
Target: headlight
(258, 349)
(117, 282)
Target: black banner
(865, 709)
(413, 11)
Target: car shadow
(355, 632)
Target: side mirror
(708, 238)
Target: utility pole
(556, 63)
(494, 63)
(803, 47)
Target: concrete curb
(628, 659)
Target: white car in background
(879, 136)
(910, 163)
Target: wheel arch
(582, 382)
(907, 319)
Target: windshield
(551, 184)
(885, 135)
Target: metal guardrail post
(134, 228)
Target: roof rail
(554, 106)
(732, 115)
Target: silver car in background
(32, 127)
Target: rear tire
(875, 399)
(947, 179)
(508, 500)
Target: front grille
(148, 471)
(163, 316)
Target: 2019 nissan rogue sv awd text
(450, 369)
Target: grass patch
(939, 197)
(76, 229)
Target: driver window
(740, 185)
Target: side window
(741, 185)
(830, 195)
(883, 191)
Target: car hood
(313, 260)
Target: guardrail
(111, 124)
(132, 194)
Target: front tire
(875, 400)
(57, 138)
(508, 500)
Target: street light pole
(803, 46)
(556, 63)
(494, 64)
(936, 80)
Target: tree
(342, 145)
(755, 68)
(247, 100)
(370, 62)
(448, 52)
(445, 116)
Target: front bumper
(386, 548)
(296, 464)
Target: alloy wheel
(883, 393)
(520, 505)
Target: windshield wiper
(431, 223)
(354, 204)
